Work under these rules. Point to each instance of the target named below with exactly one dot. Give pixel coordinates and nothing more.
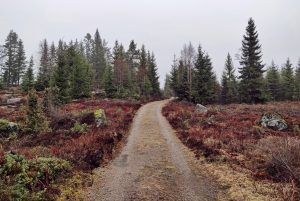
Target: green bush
(7, 128)
(79, 128)
(23, 179)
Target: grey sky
(162, 25)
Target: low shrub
(23, 179)
(7, 128)
(79, 128)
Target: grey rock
(273, 120)
(201, 109)
(14, 101)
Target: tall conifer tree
(251, 72)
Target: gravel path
(154, 165)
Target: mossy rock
(7, 128)
(274, 121)
(100, 117)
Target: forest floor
(153, 165)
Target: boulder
(4, 98)
(100, 118)
(201, 109)
(273, 120)
(14, 101)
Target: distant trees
(14, 60)
(192, 78)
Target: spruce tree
(20, 62)
(297, 82)
(251, 72)
(205, 79)
(36, 121)
(10, 55)
(28, 78)
(167, 88)
(61, 79)
(182, 88)
(43, 78)
(81, 74)
(273, 82)
(98, 58)
(132, 57)
(153, 75)
(174, 77)
(109, 86)
(142, 73)
(287, 76)
(229, 91)
(88, 44)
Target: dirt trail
(154, 165)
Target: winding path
(154, 165)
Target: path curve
(153, 165)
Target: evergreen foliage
(205, 79)
(229, 92)
(297, 82)
(28, 78)
(109, 87)
(36, 121)
(153, 75)
(288, 84)
(273, 82)
(251, 72)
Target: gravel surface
(153, 165)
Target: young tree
(297, 82)
(153, 75)
(20, 62)
(205, 79)
(174, 76)
(168, 92)
(88, 44)
(28, 78)
(36, 121)
(273, 82)
(182, 88)
(251, 72)
(43, 78)
(288, 81)
(229, 91)
(132, 57)
(109, 86)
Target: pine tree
(43, 78)
(10, 63)
(174, 76)
(153, 76)
(297, 82)
(273, 82)
(28, 78)
(205, 79)
(109, 87)
(229, 92)
(52, 59)
(251, 72)
(98, 58)
(20, 62)
(288, 84)
(61, 76)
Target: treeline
(75, 69)
(192, 77)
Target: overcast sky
(162, 25)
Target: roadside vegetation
(71, 117)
